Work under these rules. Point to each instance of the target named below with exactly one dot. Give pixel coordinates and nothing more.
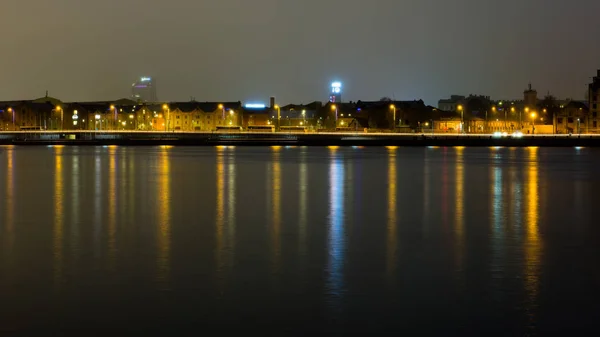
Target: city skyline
(410, 50)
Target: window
(559, 120)
(177, 117)
(595, 106)
(594, 124)
(570, 120)
(594, 113)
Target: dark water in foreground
(287, 241)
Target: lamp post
(462, 121)
(231, 113)
(114, 110)
(393, 107)
(512, 110)
(278, 108)
(533, 123)
(303, 117)
(334, 108)
(58, 108)
(12, 113)
(520, 119)
(166, 107)
(222, 108)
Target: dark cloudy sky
(252, 49)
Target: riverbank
(129, 138)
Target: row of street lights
(533, 115)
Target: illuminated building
(144, 90)
(336, 92)
(594, 103)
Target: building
(144, 90)
(573, 118)
(335, 96)
(594, 104)
(300, 114)
(452, 103)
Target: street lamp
(462, 121)
(222, 108)
(166, 107)
(12, 112)
(278, 108)
(334, 108)
(533, 122)
(393, 107)
(97, 117)
(58, 108)
(112, 108)
(303, 117)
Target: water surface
(292, 240)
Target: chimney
(598, 72)
(272, 102)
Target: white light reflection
(337, 241)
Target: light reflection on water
(336, 241)
(164, 219)
(533, 245)
(350, 235)
(392, 235)
(58, 217)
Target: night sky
(251, 49)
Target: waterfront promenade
(84, 137)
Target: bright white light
(255, 106)
(336, 85)
(145, 79)
(497, 134)
(97, 116)
(517, 134)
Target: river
(299, 240)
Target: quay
(240, 138)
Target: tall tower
(530, 97)
(336, 92)
(144, 90)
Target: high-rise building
(144, 90)
(594, 104)
(336, 92)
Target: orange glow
(58, 228)
(112, 207)
(164, 218)
(533, 244)
(459, 218)
(333, 147)
(391, 147)
(392, 236)
(10, 194)
(276, 215)
(276, 148)
(220, 218)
